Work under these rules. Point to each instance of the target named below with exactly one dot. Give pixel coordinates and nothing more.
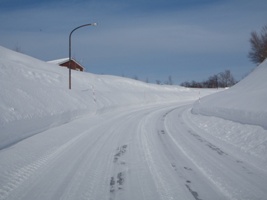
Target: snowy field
(116, 138)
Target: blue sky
(150, 39)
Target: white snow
(34, 95)
(117, 138)
(58, 61)
(246, 102)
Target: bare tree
(170, 80)
(17, 48)
(258, 43)
(223, 79)
(158, 82)
(135, 77)
(226, 79)
(212, 82)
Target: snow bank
(246, 102)
(34, 95)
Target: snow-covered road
(140, 152)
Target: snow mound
(246, 102)
(34, 95)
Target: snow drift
(246, 102)
(34, 95)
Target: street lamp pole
(93, 24)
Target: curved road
(146, 152)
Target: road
(140, 152)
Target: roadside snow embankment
(34, 95)
(246, 102)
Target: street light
(93, 24)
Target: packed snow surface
(246, 102)
(116, 138)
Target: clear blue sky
(150, 39)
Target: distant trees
(135, 77)
(258, 52)
(168, 82)
(17, 48)
(223, 79)
(226, 79)
(158, 82)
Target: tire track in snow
(172, 155)
(20, 175)
(161, 184)
(168, 186)
(216, 166)
(92, 171)
(117, 181)
(204, 171)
